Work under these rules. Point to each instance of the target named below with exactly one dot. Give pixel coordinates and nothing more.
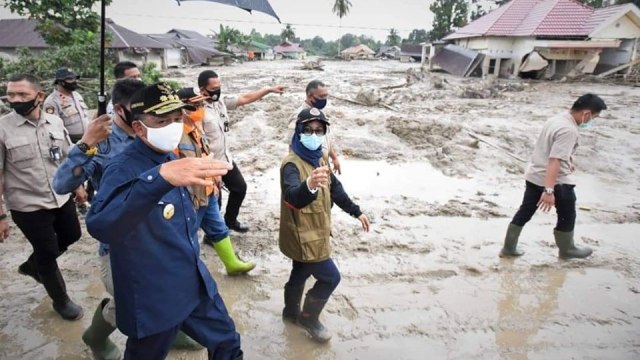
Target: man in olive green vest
(308, 190)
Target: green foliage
(228, 36)
(393, 39)
(59, 19)
(150, 75)
(416, 37)
(341, 8)
(288, 33)
(448, 15)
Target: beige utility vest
(305, 234)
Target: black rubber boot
(566, 248)
(308, 319)
(509, 249)
(28, 268)
(56, 288)
(96, 337)
(292, 299)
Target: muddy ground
(437, 167)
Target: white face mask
(165, 138)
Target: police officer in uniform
(66, 103)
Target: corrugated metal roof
(20, 33)
(541, 18)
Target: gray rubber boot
(308, 319)
(96, 337)
(509, 249)
(292, 300)
(566, 248)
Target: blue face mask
(311, 142)
(319, 103)
(586, 124)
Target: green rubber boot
(566, 248)
(509, 249)
(227, 255)
(184, 342)
(96, 337)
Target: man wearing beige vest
(308, 190)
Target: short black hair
(203, 78)
(121, 67)
(124, 89)
(314, 84)
(25, 77)
(591, 102)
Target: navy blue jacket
(158, 276)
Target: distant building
(410, 53)
(361, 52)
(125, 44)
(289, 50)
(552, 37)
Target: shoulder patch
(49, 109)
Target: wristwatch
(86, 149)
(548, 191)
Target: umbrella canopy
(262, 6)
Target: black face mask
(128, 116)
(69, 86)
(214, 95)
(24, 108)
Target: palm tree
(341, 8)
(393, 39)
(288, 33)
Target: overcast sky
(309, 18)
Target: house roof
(542, 18)
(288, 47)
(193, 35)
(358, 49)
(22, 33)
(123, 38)
(411, 50)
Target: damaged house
(546, 38)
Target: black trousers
(50, 233)
(565, 206)
(234, 182)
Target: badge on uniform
(168, 211)
(49, 109)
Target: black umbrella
(248, 5)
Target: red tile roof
(540, 18)
(288, 47)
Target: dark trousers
(565, 206)
(326, 274)
(209, 324)
(50, 233)
(234, 182)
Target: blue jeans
(326, 273)
(209, 324)
(211, 220)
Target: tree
(317, 43)
(348, 40)
(288, 33)
(341, 8)
(416, 37)
(58, 19)
(227, 36)
(447, 16)
(393, 39)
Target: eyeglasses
(307, 130)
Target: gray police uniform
(71, 109)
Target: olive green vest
(305, 234)
(193, 145)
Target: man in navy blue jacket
(144, 212)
